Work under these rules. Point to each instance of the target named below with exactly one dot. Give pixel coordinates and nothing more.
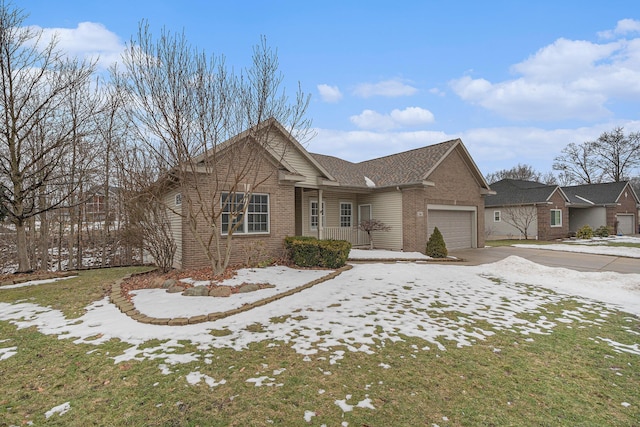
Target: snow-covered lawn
(370, 302)
(598, 246)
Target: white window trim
(551, 217)
(497, 218)
(244, 230)
(350, 215)
(321, 213)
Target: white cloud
(329, 93)
(357, 146)
(370, 119)
(87, 40)
(625, 26)
(568, 79)
(491, 148)
(410, 116)
(388, 88)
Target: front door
(364, 214)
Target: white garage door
(456, 227)
(625, 224)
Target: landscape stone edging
(128, 308)
(19, 280)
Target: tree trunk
(23, 253)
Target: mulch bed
(155, 279)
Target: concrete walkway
(571, 260)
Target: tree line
(86, 158)
(613, 157)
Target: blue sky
(515, 80)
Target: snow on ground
(36, 282)
(596, 246)
(356, 311)
(60, 410)
(356, 254)
(160, 303)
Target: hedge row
(307, 251)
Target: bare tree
(618, 153)
(35, 80)
(188, 109)
(371, 225)
(521, 171)
(614, 156)
(521, 217)
(578, 164)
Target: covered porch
(331, 215)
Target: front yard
(381, 344)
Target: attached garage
(625, 223)
(456, 223)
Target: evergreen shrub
(436, 248)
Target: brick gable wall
(626, 205)
(263, 246)
(545, 231)
(454, 185)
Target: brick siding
(281, 219)
(545, 231)
(455, 185)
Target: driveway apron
(571, 260)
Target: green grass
(569, 377)
(71, 296)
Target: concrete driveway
(572, 260)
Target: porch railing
(356, 237)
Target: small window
(346, 213)
(496, 216)
(314, 215)
(178, 199)
(556, 218)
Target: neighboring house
(613, 204)
(95, 207)
(323, 196)
(519, 207)
(553, 212)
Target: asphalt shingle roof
(516, 192)
(402, 168)
(598, 194)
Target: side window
(496, 216)
(178, 199)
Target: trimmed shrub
(436, 247)
(585, 232)
(306, 251)
(602, 231)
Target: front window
(249, 215)
(496, 216)
(556, 218)
(346, 212)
